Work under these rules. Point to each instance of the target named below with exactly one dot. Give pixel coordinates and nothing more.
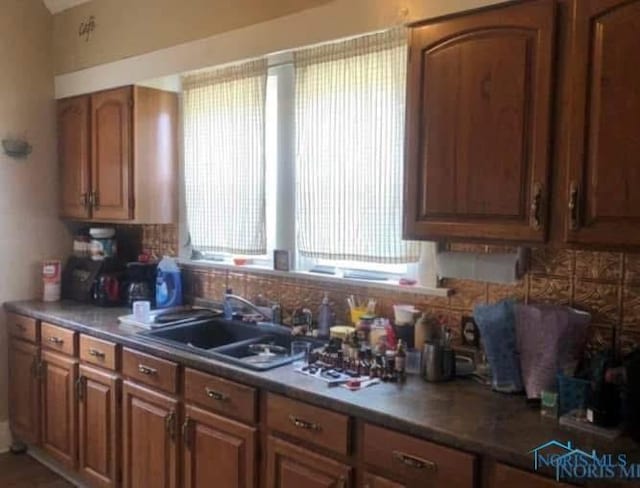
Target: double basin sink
(259, 347)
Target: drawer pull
(216, 395)
(147, 370)
(304, 424)
(20, 326)
(574, 206)
(536, 207)
(96, 353)
(415, 462)
(55, 340)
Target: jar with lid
(103, 243)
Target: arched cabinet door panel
(478, 125)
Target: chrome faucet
(264, 312)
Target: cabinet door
(111, 139)
(373, 481)
(218, 451)
(98, 426)
(59, 407)
(289, 466)
(24, 391)
(73, 156)
(603, 200)
(478, 125)
(149, 438)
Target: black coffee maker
(141, 282)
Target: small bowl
(240, 261)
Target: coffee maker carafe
(141, 278)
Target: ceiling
(56, 6)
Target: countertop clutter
(461, 415)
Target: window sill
(266, 271)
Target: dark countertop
(461, 414)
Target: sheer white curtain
(224, 117)
(350, 107)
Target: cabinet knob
(574, 206)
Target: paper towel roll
(492, 267)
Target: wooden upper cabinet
(24, 391)
(119, 156)
(478, 125)
(59, 407)
(111, 157)
(73, 154)
(602, 196)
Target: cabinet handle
(216, 395)
(56, 340)
(170, 424)
(41, 369)
(94, 199)
(536, 207)
(96, 353)
(415, 462)
(147, 370)
(80, 382)
(574, 210)
(20, 327)
(304, 424)
(186, 432)
(84, 199)
(34, 367)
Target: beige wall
(127, 28)
(29, 227)
(332, 20)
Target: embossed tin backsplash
(607, 284)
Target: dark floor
(22, 471)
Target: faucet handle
(276, 313)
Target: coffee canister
(103, 243)
(51, 277)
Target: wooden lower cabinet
(98, 426)
(217, 451)
(503, 476)
(59, 407)
(290, 466)
(150, 438)
(24, 391)
(373, 481)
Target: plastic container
(404, 314)
(168, 284)
(326, 318)
(103, 244)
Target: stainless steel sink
(258, 347)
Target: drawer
(99, 352)
(414, 460)
(315, 425)
(58, 339)
(150, 370)
(22, 327)
(219, 395)
(503, 476)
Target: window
(224, 158)
(325, 179)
